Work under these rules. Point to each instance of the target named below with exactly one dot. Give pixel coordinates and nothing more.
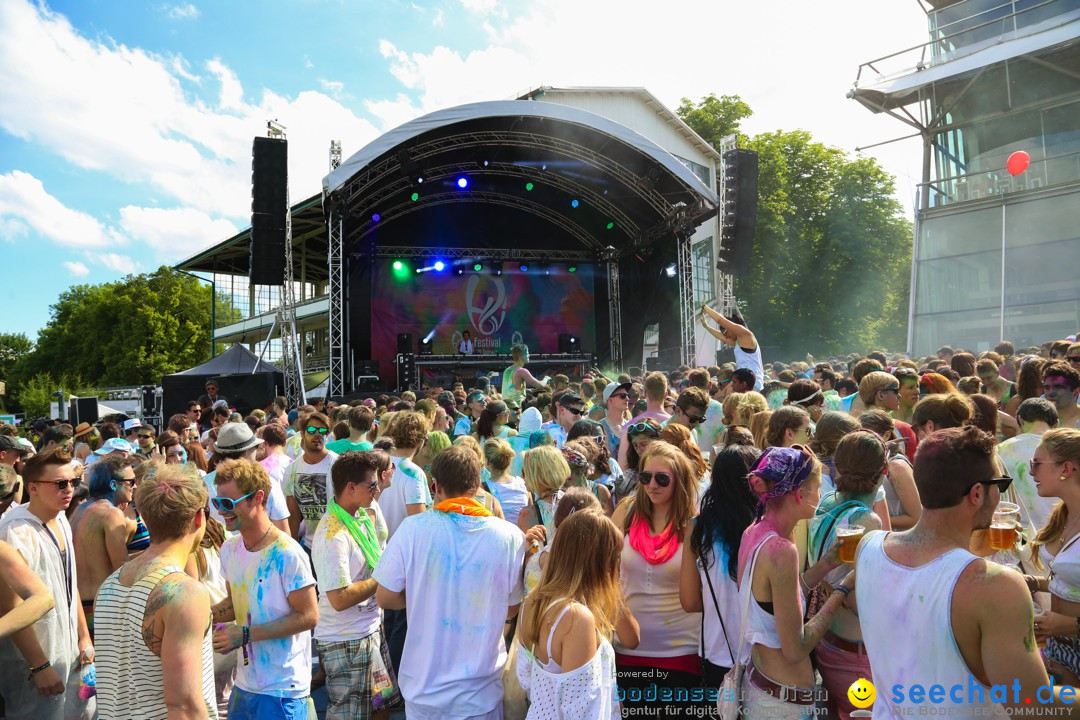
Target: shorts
(839, 669)
(359, 677)
(249, 706)
(1065, 651)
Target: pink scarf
(656, 549)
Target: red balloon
(1018, 162)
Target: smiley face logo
(862, 693)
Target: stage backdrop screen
(498, 311)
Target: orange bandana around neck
(463, 506)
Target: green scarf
(362, 530)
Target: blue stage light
(376, 217)
(439, 266)
(574, 203)
(463, 182)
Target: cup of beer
(848, 534)
(1003, 526)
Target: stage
(444, 370)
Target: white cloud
(123, 111)
(307, 62)
(335, 88)
(183, 12)
(173, 233)
(76, 268)
(114, 261)
(24, 203)
(792, 64)
(439, 18)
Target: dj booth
(444, 370)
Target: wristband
(34, 671)
(842, 588)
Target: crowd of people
(584, 547)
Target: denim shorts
(249, 706)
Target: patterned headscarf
(785, 468)
(575, 460)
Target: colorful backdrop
(498, 311)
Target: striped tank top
(130, 681)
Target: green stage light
(415, 196)
(398, 265)
(572, 268)
(477, 267)
(528, 186)
(610, 225)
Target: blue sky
(125, 127)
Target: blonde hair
(945, 410)
(249, 476)
(731, 407)
(873, 383)
(684, 501)
(472, 443)
(749, 404)
(386, 423)
(545, 470)
(591, 578)
(1063, 445)
(498, 454)
(679, 436)
(168, 498)
(759, 428)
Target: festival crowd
(765, 536)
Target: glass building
(996, 256)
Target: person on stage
(516, 378)
(466, 346)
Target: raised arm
(729, 332)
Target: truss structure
(684, 268)
(535, 255)
(336, 328)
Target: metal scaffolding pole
(615, 313)
(687, 318)
(336, 328)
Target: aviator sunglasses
(662, 479)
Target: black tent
(243, 379)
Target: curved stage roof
(538, 174)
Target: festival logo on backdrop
(487, 317)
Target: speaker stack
(269, 203)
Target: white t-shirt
(512, 496)
(339, 562)
(407, 487)
(752, 360)
(260, 584)
(310, 486)
(461, 575)
(276, 507)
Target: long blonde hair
(685, 482)
(1063, 445)
(591, 578)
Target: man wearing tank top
(154, 650)
(934, 614)
(516, 378)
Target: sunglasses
(1002, 483)
(1073, 358)
(621, 396)
(1034, 464)
(662, 479)
(694, 419)
(228, 505)
(641, 427)
(576, 411)
(312, 430)
(61, 484)
(11, 494)
(146, 437)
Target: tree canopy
(832, 250)
(128, 332)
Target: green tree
(832, 249)
(40, 390)
(714, 118)
(13, 348)
(128, 332)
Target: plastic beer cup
(849, 535)
(1002, 534)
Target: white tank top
(129, 677)
(1064, 569)
(760, 625)
(905, 614)
(652, 591)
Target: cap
(236, 438)
(571, 398)
(612, 387)
(82, 428)
(530, 421)
(219, 404)
(8, 442)
(115, 445)
(27, 446)
(132, 424)
(369, 402)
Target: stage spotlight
(463, 182)
(610, 225)
(498, 269)
(414, 197)
(529, 187)
(524, 268)
(459, 271)
(572, 268)
(478, 267)
(574, 203)
(376, 217)
(670, 270)
(398, 265)
(424, 346)
(439, 266)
